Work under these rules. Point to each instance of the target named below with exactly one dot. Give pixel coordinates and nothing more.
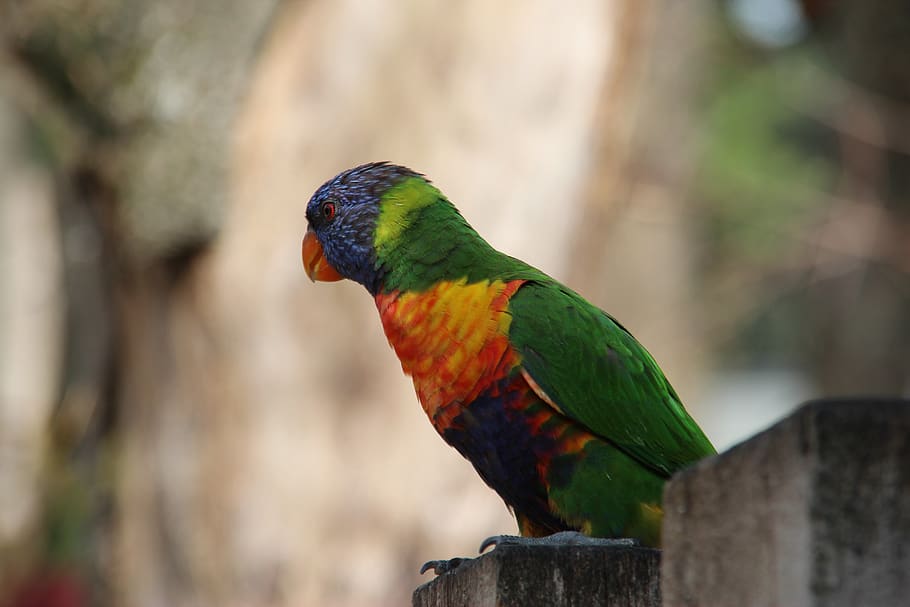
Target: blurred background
(186, 420)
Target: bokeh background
(185, 420)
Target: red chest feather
(452, 340)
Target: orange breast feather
(452, 340)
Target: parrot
(560, 410)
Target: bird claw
(499, 540)
(563, 538)
(443, 566)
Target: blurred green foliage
(762, 176)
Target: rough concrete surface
(562, 576)
(813, 511)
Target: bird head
(357, 216)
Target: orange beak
(314, 261)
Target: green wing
(596, 373)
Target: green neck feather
(422, 239)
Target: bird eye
(328, 210)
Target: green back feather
(597, 373)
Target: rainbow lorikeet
(560, 410)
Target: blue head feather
(347, 239)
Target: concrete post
(552, 576)
(813, 511)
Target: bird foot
(444, 566)
(563, 538)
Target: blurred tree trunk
(31, 336)
(633, 252)
(863, 319)
(131, 105)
